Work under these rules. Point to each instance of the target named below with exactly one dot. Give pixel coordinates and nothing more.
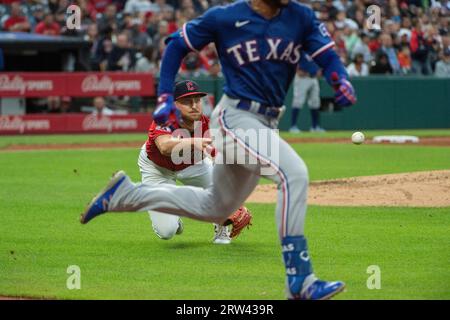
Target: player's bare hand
(201, 143)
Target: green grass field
(43, 193)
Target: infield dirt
(415, 189)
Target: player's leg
(164, 225)
(314, 105)
(308, 89)
(298, 101)
(200, 175)
(292, 182)
(291, 176)
(232, 184)
(284, 166)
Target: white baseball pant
(306, 90)
(198, 175)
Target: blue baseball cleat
(99, 204)
(321, 290)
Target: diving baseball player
(156, 164)
(259, 43)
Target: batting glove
(344, 93)
(164, 108)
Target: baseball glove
(240, 219)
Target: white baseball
(358, 137)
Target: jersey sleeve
(156, 130)
(205, 127)
(201, 31)
(307, 64)
(317, 39)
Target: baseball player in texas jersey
(259, 43)
(156, 164)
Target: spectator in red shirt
(99, 5)
(48, 26)
(16, 22)
(374, 44)
(420, 50)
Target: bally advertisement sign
(31, 84)
(74, 123)
(75, 84)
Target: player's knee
(297, 174)
(219, 209)
(166, 232)
(219, 213)
(225, 210)
(301, 173)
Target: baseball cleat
(321, 290)
(240, 219)
(318, 129)
(221, 235)
(294, 129)
(180, 227)
(99, 204)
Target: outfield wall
(73, 123)
(383, 103)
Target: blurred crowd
(126, 35)
(412, 36)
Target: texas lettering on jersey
(290, 54)
(259, 56)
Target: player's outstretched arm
(175, 52)
(166, 144)
(318, 44)
(336, 75)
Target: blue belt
(268, 111)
